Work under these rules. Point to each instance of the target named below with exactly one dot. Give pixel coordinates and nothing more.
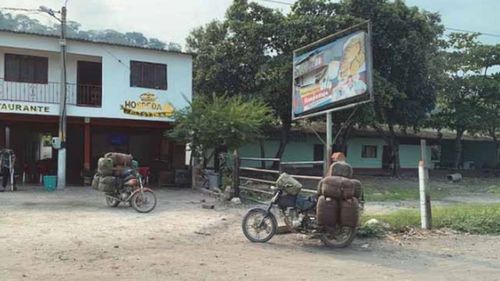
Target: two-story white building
(119, 98)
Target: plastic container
(50, 183)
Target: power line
(278, 2)
(19, 9)
(470, 31)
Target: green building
(367, 151)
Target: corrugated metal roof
(96, 42)
(425, 133)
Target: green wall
(354, 149)
(301, 148)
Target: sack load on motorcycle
(333, 213)
(118, 177)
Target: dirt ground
(72, 235)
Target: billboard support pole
(329, 139)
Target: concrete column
(86, 146)
(7, 137)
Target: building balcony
(76, 94)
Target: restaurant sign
(23, 108)
(147, 106)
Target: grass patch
(473, 218)
(398, 193)
(494, 189)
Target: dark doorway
(89, 83)
(319, 152)
(386, 157)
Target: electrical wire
(470, 31)
(278, 2)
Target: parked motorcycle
(130, 189)
(299, 213)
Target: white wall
(115, 74)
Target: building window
(369, 151)
(28, 69)
(148, 75)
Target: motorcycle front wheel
(143, 202)
(259, 226)
(340, 237)
(112, 202)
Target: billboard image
(332, 75)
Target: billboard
(331, 74)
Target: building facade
(368, 153)
(119, 98)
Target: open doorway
(89, 83)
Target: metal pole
(61, 162)
(329, 139)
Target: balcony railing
(76, 94)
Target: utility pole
(61, 160)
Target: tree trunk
(262, 153)
(458, 149)
(394, 146)
(285, 132)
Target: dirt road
(72, 235)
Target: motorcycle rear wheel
(143, 202)
(112, 202)
(341, 237)
(258, 221)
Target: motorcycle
(299, 213)
(130, 189)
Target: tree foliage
(469, 97)
(250, 53)
(220, 121)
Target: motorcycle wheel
(256, 222)
(143, 202)
(341, 237)
(112, 202)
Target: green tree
(405, 43)
(469, 99)
(220, 122)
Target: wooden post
(236, 173)
(425, 198)
(329, 142)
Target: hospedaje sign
(332, 73)
(147, 106)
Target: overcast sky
(172, 20)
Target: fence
(76, 94)
(268, 176)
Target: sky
(172, 20)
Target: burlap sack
(289, 185)
(349, 212)
(105, 166)
(327, 211)
(107, 184)
(341, 169)
(120, 159)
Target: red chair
(145, 172)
